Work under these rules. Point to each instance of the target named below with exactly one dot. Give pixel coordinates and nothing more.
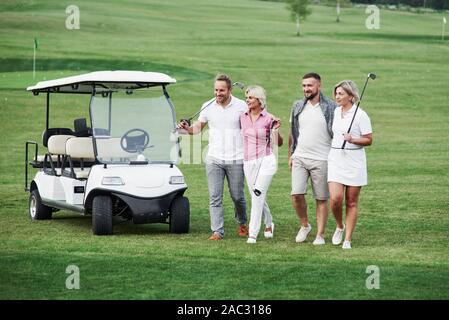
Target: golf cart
(122, 167)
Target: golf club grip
(188, 121)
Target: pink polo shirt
(255, 135)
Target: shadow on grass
(120, 227)
(184, 74)
(129, 228)
(422, 38)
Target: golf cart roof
(84, 83)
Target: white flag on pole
(444, 20)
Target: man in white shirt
(225, 154)
(310, 141)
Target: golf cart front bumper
(149, 210)
(143, 210)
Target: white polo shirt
(342, 121)
(314, 141)
(225, 140)
(348, 166)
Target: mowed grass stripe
(141, 279)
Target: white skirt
(347, 167)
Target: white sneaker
(269, 234)
(346, 245)
(338, 236)
(251, 240)
(319, 241)
(303, 233)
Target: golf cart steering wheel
(135, 143)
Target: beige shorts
(302, 169)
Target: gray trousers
(216, 172)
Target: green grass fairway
(403, 225)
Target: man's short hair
(225, 78)
(312, 75)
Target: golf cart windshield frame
(98, 88)
(87, 82)
(117, 153)
(88, 87)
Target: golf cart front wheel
(180, 215)
(102, 215)
(37, 210)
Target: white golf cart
(123, 165)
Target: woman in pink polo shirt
(257, 126)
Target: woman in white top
(347, 171)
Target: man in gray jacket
(309, 144)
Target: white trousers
(259, 181)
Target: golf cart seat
(38, 160)
(47, 134)
(56, 147)
(81, 128)
(112, 148)
(57, 144)
(80, 149)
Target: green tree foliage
(299, 10)
(434, 4)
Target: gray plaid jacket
(327, 107)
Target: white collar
(352, 110)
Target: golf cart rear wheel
(37, 210)
(102, 215)
(180, 215)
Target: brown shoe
(243, 230)
(215, 236)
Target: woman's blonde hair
(259, 93)
(350, 88)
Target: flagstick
(34, 60)
(442, 32)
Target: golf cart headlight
(176, 180)
(112, 181)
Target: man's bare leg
(300, 205)
(321, 216)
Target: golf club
(239, 85)
(256, 191)
(189, 120)
(370, 76)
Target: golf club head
(238, 85)
(257, 192)
(372, 76)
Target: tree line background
(434, 4)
